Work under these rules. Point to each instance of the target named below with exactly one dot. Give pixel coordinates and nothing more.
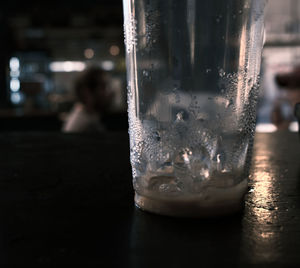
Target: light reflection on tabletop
(262, 205)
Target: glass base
(220, 203)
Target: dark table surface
(68, 199)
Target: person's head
(92, 90)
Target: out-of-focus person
(93, 100)
(289, 85)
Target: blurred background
(45, 44)
(280, 72)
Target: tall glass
(192, 72)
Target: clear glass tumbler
(192, 71)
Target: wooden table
(68, 199)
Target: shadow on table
(173, 242)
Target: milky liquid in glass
(192, 71)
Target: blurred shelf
(284, 39)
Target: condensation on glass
(192, 72)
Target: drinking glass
(192, 71)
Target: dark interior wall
(59, 30)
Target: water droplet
(184, 156)
(229, 76)
(129, 91)
(208, 70)
(156, 136)
(229, 103)
(204, 172)
(240, 11)
(164, 187)
(145, 73)
(130, 27)
(218, 19)
(222, 73)
(161, 183)
(179, 116)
